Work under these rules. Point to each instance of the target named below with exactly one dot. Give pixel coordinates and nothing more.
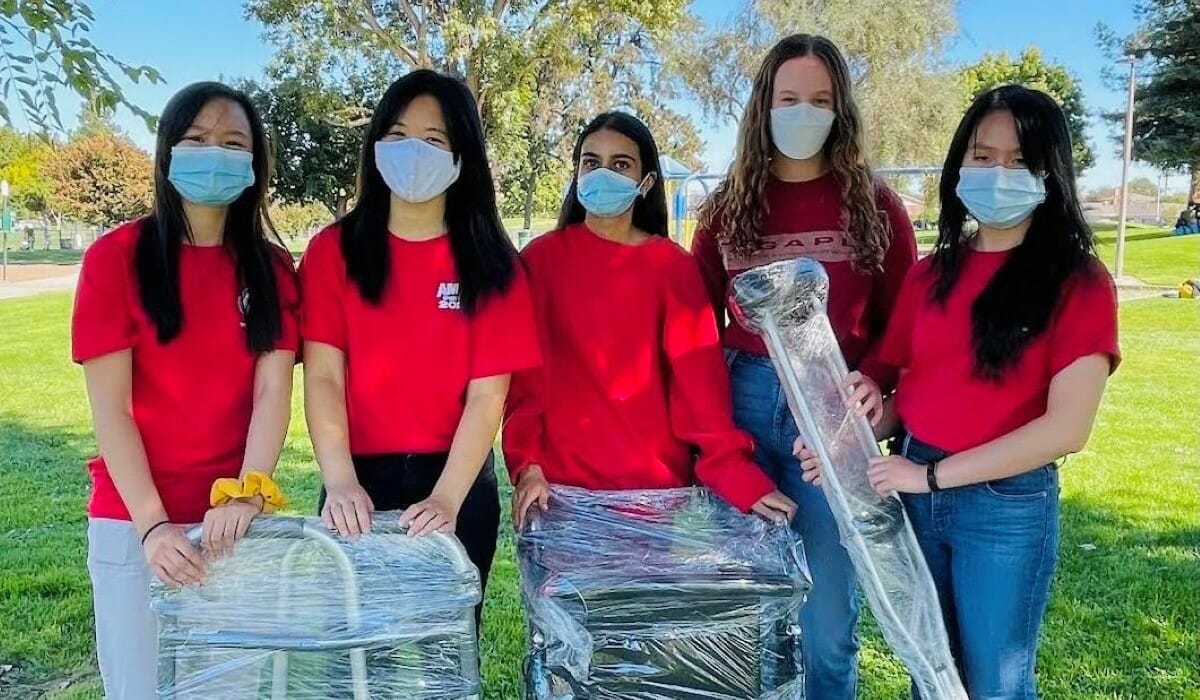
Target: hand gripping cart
(298, 612)
(659, 595)
(784, 302)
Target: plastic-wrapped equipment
(785, 303)
(298, 612)
(659, 595)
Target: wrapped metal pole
(785, 303)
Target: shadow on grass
(45, 595)
(1124, 620)
(45, 257)
(1124, 617)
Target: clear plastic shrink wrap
(298, 612)
(785, 303)
(659, 595)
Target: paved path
(28, 288)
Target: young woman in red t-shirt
(415, 314)
(185, 323)
(799, 185)
(634, 392)
(1004, 339)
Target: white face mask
(800, 130)
(414, 170)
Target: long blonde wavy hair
(737, 208)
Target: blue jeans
(992, 549)
(828, 619)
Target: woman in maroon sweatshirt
(799, 186)
(634, 392)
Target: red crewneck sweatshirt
(806, 219)
(633, 393)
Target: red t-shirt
(804, 219)
(940, 400)
(192, 397)
(410, 358)
(634, 384)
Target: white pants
(126, 629)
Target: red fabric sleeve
(503, 336)
(322, 282)
(895, 348)
(289, 302)
(1086, 322)
(700, 396)
(103, 320)
(706, 249)
(524, 427)
(900, 257)
(523, 435)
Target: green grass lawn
(1163, 261)
(1124, 621)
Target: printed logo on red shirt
(822, 246)
(447, 296)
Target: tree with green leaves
(1032, 70)
(1166, 46)
(1143, 185)
(45, 46)
(100, 179)
(910, 103)
(293, 220)
(538, 68)
(22, 158)
(316, 155)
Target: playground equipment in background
(686, 189)
(681, 183)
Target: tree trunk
(530, 184)
(1194, 189)
(341, 205)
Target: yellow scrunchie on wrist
(249, 486)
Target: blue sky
(190, 41)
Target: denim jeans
(828, 619)
(991, 548)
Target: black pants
(396, 481)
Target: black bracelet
(154, 527)
(931, 476)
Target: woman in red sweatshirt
(799, 186)
(633, 393)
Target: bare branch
(499, 8)
(399, 50)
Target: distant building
(1142, 208)
(915, 206)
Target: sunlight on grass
(1124, 621)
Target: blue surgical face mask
(606, 193)
(415, 170)
(210, 176)
(1000, 197)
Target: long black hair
(249, 235)
(649, 211)
(1018, 303)
(484, 255)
